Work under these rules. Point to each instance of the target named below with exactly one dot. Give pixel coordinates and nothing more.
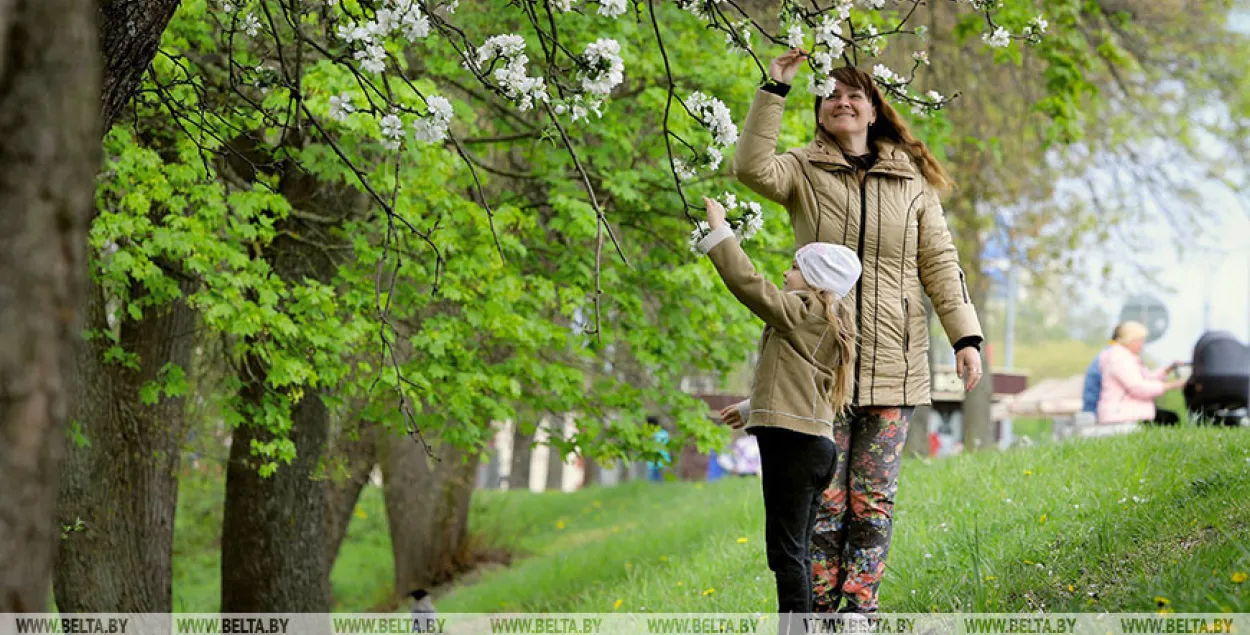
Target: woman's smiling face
(847, 112)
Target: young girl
(803, 380)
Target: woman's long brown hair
(889, 125)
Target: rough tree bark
(427, 509)
(555, 460)
(124, 484)
(130, 33)
(49, 92)
(273, 544)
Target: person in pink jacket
(1129, 390)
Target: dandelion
(990, 578)
(560, 524)
(1042, 520)
(1161, 601)
(709, 591)
(361, 514)
(663, 558)
(617, 604)
(1239, 577)
(1071, 588)
(680, 583)
(596, 504)
(742, 541)
(1028, 562)
(1028, 472)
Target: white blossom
(716, 116)
(372, 58)
(937, 98)
(875, 4)
(351, 33)
(998, 39)
(822, 62)
(843, 8)
(450, 7)
(739, 38)
(683, 170)
(392, 131)
(604, 56)
(827, 32)
(341, 106)
(505, 46)
(433, 127)
(227, 7)
(821, 87)
(752, 221)
(1036, 27)
(693, 6)
(701, 229)
(416, 24)
(872, 41)
(885, 75)
(714, 158)
(922, 31)
(563, 6)
(251, 25)
(612, 8)
(921, 56)
(794, 36)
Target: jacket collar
(823, 152)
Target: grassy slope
(970, 534)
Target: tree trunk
(522, 454)
(130, 33)
(917, 441)
(978, 425)
(49, 91)
(272, 538)
(427, 509)
(353, 456)
(555, 458)
(273, 543)
(123, 484)
(593, 472)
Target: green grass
(970, 534)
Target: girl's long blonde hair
(841, 315)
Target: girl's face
(794, 279)
(847, 112)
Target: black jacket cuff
(776, 88)
(964, 342)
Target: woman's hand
(715, 213)
(968, 366)
(730, 416)
(783, 69)
(1174, 384)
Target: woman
(865, 182)
(1128, 389)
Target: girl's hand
(968, 366)
(783, 69)
(730, 416)
(715, 213)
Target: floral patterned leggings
(849, 549)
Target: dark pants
(1166, 418)
(796, 469)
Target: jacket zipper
(906, 326)
(859, 286)
(963, 286)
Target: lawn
(1118, 524)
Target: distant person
(423, 612)
(1129, 390)
(802, 383)
(1093, 377)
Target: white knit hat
(829, 267)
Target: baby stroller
(1218, 389)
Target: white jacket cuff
(715, 238)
